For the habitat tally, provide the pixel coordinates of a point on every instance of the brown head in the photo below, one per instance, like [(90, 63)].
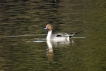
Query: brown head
[(49, 27)]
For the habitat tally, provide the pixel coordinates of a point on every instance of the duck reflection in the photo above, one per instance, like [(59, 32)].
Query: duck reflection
[(50, 51), (51, 43)]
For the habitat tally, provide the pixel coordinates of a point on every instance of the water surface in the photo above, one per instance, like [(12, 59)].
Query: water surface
[(22, 21)]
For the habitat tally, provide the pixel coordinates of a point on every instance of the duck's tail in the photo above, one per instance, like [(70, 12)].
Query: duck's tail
[(72, 34)]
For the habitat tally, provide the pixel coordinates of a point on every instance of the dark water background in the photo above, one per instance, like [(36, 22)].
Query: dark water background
[(29, 17)]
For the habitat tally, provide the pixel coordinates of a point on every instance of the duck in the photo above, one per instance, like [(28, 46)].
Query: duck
[(57, 37)]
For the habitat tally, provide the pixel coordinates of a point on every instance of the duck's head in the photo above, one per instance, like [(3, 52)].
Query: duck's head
[(49, 27)]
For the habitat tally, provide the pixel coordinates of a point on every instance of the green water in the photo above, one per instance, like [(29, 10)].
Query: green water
[(20, 17)]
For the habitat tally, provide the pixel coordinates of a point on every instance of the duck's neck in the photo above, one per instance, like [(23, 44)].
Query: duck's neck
[(49, 35)]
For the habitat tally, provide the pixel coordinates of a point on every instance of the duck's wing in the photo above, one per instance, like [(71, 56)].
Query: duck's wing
[(61, 34)]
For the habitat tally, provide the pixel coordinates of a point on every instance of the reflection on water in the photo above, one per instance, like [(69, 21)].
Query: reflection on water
[(51, 43), (50, 51)]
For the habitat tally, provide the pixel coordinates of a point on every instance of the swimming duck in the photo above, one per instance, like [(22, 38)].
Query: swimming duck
[(58, 36)]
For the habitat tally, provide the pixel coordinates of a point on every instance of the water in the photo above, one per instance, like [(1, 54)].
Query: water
[(22, 38)]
